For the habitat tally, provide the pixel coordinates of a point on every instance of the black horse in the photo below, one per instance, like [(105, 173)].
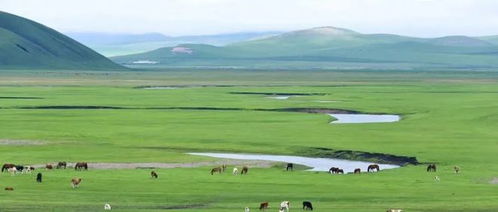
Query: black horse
[(39, 177), (290, 166), (431, 168), (307, 206)]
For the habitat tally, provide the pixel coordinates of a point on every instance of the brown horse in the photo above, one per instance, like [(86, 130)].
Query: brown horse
[(357, 171), (75, 182), (49, 166), (81, 165), (244, 170), (431, 168), (264, 206), (9, 188), (153, 174), (223, 167), (373, 167), (7, 166), (61, 165), (217, 169)]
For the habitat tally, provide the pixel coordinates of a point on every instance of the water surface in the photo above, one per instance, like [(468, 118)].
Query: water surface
[(363, 118)]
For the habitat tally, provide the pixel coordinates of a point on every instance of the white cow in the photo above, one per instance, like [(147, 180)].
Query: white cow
[(107, 207), (284, 206), (235, 171)]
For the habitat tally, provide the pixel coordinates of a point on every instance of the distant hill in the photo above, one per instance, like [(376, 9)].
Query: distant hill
[(122, 44), (25, 44), (329, 48)]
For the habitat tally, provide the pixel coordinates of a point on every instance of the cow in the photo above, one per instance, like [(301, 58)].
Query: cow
[(81, 165), (61, 164), (245, 169), (264, 206), (357, 171), (217, 169), (307, 206), (284, 206), (235, 171), (39, 177), (75, 182), (373, 167), (153, 174), (7, 166), (290, 166), (431, 168)]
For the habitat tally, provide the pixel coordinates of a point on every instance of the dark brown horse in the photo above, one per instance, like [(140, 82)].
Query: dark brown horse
[(153, 174), (61, 165), (223, 167), (373, 167), (9, 188), (7, 166), (333, 170), (431, 168), (340, 171), (264, 206), (217, 169), (81, 165), (49, 166), (307, 205), (245, 169), (357, 171)]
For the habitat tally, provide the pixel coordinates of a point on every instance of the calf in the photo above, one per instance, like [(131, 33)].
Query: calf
[(307, 206), (75, 182), (264, 206), (39, 177)]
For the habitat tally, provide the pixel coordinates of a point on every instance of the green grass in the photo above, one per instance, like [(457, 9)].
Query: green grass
[(447, 120)]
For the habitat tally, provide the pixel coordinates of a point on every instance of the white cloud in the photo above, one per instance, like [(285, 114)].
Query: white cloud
[(181, 17)]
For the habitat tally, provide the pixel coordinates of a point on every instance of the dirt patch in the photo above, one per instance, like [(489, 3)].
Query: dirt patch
[(102, 165), (494, 180), (359, 156), (13, 142)]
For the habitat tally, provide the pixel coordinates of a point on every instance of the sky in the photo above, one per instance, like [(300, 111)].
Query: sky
[(421, 18)]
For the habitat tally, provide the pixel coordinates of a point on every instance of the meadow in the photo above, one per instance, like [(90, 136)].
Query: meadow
[(448, 118)]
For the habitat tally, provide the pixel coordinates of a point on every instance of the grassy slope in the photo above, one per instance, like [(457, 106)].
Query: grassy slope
[(450, 121), (27, 44)]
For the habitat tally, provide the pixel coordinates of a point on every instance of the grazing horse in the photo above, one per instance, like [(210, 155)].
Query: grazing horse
[(81, 165), (357, 171), (373, 167), (264, 206), (394, 210), (244, 170), (7, 166), (223, 167), (9, 188), (107, 207), (49, 166), (153, 174), (340, 171), (75, 182), (39, 177), (61, 165), (217, 169), (284, 206), (431, 168), (20, 168), (307, 205), (290, 166), (12, 170), (235, 171), (456, 169), (28, 169), (246, 209), (333, 170)]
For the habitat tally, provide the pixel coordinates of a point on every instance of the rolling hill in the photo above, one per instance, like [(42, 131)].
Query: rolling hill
[(25, 44), (329, 48)]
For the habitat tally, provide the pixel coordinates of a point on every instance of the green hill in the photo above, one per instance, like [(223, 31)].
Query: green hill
[(25, 44), (329, 47)]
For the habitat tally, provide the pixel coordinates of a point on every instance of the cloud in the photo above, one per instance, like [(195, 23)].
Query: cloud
[(185, 17)]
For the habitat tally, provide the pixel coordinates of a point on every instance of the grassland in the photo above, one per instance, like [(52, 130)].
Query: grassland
[(448, 118)]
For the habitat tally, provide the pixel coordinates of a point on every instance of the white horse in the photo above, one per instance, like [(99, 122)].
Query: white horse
[(284, 206), (394, 210), (247, 209), (107, 207), (235, 171)]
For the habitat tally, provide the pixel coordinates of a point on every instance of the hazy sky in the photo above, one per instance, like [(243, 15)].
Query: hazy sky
[(427, 18)]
